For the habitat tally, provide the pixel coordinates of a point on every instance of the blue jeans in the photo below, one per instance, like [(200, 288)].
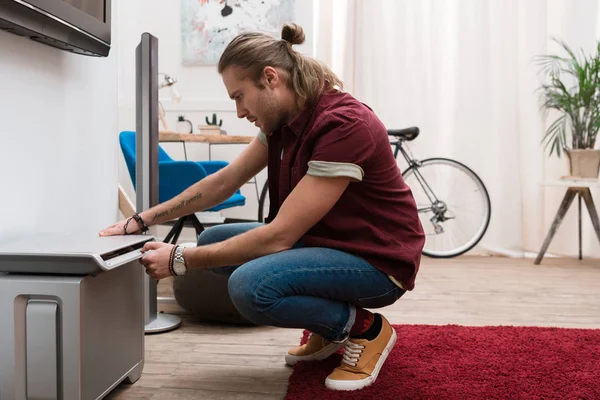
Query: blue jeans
[(311, 288)]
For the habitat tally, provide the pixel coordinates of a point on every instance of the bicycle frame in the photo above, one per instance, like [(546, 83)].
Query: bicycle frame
[(415, 164)]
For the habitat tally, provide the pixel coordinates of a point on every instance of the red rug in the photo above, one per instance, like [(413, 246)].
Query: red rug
[(457, 362)]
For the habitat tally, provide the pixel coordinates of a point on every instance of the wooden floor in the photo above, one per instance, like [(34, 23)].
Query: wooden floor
[(207, 361)]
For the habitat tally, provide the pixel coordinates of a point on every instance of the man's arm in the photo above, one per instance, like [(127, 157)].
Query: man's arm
[(206, 193), (308, 203), (212, 190)]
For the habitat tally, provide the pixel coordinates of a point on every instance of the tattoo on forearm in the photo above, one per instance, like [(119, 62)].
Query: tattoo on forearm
[(193, 199), (160, 215), (181, 204)]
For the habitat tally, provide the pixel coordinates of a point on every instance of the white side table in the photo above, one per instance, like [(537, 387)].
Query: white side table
[(575, 187)]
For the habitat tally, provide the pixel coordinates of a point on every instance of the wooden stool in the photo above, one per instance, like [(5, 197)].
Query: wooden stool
[(575, 187)]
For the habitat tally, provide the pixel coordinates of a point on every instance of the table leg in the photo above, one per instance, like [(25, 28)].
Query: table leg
[(589, 202), (184, 148), (562, 211), (579, 201)]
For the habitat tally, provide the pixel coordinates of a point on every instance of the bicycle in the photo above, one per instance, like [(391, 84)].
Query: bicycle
[(434, 182)]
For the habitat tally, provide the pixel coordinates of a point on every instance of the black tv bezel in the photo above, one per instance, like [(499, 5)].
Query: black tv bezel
[(58, 24), (76, 17)]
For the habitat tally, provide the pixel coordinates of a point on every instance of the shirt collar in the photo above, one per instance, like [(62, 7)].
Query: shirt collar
[(298, 124)]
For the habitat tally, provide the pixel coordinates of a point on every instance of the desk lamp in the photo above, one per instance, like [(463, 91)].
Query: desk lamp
[(170, 82)]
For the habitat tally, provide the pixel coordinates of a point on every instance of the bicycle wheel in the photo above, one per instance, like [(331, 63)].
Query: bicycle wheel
[(263, 203), (453, 203)]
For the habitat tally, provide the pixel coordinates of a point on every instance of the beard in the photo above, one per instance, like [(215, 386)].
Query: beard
[(270, 114)]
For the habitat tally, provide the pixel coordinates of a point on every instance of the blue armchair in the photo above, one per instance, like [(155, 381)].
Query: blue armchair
[(176, 176)]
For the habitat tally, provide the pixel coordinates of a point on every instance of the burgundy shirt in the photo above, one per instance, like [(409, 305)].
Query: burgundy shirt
[(375, 218)]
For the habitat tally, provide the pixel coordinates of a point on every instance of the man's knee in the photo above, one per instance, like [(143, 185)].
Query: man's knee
[(250, 293), (241, 290)]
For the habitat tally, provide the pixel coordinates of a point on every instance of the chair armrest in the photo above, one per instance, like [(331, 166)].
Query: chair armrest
[(213, 166), (176, 176)]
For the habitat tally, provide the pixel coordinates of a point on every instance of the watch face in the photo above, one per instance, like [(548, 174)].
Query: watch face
[(179, 268)]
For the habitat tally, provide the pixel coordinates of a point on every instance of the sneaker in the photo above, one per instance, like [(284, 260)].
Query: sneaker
[(362, 360), (316, 348)]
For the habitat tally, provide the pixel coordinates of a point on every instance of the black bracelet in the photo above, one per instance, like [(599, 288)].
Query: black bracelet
[(125, 227), (171, 258), (140, 222)]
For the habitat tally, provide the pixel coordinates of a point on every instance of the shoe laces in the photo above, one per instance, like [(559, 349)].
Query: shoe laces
[(352, 353)]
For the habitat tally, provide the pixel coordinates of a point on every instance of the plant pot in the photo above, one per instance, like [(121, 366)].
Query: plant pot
[(184, 126), (584, 163)]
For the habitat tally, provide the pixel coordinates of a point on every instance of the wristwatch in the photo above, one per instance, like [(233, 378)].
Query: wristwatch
[(179, 266)]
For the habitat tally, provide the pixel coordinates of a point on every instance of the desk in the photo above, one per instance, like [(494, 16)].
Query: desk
[(575, 187), (167, 136)]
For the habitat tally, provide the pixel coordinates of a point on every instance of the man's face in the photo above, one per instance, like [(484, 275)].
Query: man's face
[(259, 104)]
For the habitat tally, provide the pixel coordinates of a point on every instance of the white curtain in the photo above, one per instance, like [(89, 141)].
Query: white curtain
[(463, 71)]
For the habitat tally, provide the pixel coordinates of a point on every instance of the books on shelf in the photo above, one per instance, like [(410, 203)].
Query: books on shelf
[(211, 130)]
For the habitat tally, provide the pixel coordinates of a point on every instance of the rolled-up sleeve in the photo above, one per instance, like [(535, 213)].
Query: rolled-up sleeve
[(332, 169), (263, 138), (342, 149)]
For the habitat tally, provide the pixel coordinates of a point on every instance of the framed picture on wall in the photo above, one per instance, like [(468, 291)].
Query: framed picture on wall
[(207, 26)]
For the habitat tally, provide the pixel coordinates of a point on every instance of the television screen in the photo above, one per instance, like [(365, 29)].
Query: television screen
[(93, 8), (79, 26)]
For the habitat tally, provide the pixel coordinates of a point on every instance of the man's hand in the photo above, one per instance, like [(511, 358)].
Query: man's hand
[(119, 228), (156, 261)]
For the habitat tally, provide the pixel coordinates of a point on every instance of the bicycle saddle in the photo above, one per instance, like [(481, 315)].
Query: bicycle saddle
[(407, 134)]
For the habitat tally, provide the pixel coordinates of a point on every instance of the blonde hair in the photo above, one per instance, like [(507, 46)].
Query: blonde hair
[(253, 51)]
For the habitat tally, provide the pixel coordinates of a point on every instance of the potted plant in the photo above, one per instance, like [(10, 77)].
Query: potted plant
[(572, 89), (212, 127)]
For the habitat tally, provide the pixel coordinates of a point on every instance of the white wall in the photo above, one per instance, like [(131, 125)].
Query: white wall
[(58, 130), (201, 87)]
